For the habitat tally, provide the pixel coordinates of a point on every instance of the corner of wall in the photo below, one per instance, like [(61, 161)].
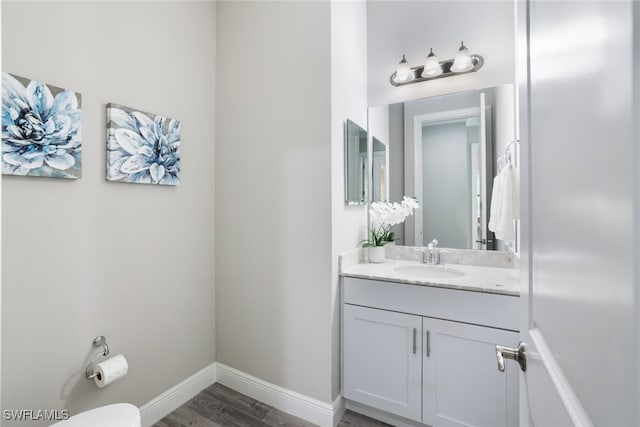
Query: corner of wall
[(348, 100)]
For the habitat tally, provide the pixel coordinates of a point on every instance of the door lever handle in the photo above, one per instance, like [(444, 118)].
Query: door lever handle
[(519, 354)]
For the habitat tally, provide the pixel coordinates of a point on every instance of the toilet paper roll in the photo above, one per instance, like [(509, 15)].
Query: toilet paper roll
[(110, 370)]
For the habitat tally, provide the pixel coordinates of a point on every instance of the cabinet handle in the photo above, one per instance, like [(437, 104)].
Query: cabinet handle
[(428, 343), (415, 345)]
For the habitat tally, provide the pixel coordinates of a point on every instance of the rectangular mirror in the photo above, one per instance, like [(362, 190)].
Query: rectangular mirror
[(444, 151), (356, 164)]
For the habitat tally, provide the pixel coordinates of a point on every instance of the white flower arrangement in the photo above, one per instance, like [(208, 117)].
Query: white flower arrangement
[(384, 215)]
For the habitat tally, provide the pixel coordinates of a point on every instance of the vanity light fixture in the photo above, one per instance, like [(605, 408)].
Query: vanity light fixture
[(462, 61), (433, 69), (403, 72), (432, 66)]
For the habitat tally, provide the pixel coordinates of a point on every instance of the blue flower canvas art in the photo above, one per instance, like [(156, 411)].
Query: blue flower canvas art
[(41, 129), (142, 148)]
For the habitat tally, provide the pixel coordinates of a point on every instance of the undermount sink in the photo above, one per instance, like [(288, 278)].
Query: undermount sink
[(424, 271)]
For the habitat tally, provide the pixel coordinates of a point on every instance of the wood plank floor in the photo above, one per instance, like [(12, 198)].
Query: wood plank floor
[(220, 406)]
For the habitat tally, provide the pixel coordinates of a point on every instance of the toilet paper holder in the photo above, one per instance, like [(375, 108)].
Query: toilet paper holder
[(99, 341)]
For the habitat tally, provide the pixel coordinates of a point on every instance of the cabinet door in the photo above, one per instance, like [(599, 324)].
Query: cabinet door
[(462, 384), (382, 360)]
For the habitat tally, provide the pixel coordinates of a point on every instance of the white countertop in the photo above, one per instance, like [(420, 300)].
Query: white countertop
[(495, 280)]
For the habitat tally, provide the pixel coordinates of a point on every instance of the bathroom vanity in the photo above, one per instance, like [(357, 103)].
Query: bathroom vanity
[(418, 341)]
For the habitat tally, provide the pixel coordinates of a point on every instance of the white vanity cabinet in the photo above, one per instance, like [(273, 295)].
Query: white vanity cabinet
[(461, 384), (447, 375), (383, 360)]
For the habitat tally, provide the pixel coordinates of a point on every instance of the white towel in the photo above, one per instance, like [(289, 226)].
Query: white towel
[(496, 195), (504, 227), (516, 192), (505, 203)]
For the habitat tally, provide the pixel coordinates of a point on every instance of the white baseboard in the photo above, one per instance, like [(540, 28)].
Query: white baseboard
[(159, 407), (291, 402), (339, 408)]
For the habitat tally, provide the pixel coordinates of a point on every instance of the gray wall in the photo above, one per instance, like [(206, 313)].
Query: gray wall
[(273, 193), (445, 175), (87, 257)]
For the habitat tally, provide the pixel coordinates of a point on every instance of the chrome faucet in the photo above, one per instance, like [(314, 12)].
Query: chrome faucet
[(432, 254), (435, 252), (426, 254)]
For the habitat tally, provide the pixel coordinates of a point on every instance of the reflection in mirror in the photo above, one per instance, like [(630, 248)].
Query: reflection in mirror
[(443, 150), (449, 145), (379, 176), (355, 142)]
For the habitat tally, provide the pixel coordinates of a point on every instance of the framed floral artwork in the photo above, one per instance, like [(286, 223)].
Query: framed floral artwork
[(142, 148), (41, 129)]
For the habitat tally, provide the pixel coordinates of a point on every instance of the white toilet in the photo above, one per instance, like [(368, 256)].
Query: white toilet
[(116, 415)]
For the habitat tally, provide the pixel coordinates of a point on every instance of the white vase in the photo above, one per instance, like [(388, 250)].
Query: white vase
[(375, 254)]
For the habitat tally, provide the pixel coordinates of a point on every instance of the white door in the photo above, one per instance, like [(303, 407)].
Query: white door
[(580, 214), (382, 360), (461, 385)]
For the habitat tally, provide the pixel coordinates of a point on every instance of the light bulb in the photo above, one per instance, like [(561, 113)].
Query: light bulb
[(432, 66), (462, 61), (403, 72)]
